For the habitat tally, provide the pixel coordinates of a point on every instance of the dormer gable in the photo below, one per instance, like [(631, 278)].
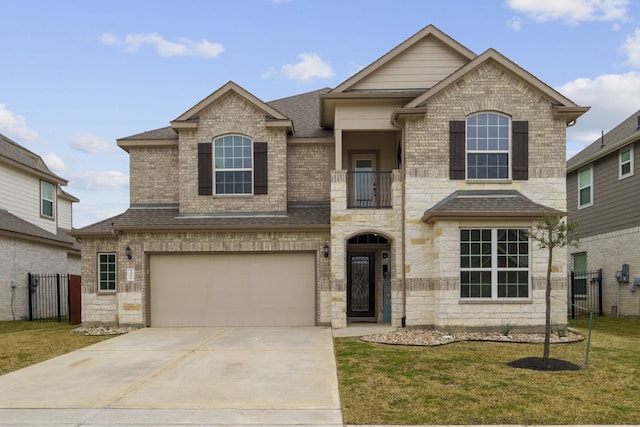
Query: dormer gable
[(274, 118), (416, 64)]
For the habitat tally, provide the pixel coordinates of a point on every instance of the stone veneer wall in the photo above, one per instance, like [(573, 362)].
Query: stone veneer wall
[(346, 223), (233, 115), (153, 175), (127, 305), (432, 265), (609, 251), (308, 168), (21, 257)]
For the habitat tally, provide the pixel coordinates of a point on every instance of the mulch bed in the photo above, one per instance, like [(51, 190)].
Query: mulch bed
[(542, 364)]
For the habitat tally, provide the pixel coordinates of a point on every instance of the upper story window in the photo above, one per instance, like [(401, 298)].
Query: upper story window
[(46, 199), (487, 137), (585, 188), (233, 165), (626, 163)]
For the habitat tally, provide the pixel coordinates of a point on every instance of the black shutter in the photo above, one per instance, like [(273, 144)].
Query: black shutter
[(205, 169), (260, 175), (520, 139), (456, 149)]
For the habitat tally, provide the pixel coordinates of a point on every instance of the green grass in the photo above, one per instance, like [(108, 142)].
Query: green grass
[(469, 382), (25, 343)]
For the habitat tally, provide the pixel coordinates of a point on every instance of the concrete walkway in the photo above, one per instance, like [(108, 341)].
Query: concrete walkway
[(186, 376)]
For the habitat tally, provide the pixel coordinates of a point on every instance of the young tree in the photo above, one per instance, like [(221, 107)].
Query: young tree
[(551, 232)]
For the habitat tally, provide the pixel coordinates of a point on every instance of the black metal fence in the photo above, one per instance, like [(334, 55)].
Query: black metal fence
[(49, 297), (585, 293)]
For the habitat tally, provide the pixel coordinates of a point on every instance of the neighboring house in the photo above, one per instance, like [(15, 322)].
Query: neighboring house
[(403, 195), (603, 198), (35, 221)]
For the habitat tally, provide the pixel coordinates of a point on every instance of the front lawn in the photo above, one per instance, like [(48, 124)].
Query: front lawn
[(24, 343), (469, 382)]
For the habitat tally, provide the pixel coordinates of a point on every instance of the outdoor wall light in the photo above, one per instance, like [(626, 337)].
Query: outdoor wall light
[(127, 252), (325, 251)]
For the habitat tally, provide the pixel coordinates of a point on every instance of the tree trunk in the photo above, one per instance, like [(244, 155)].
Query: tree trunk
[(547, 320)]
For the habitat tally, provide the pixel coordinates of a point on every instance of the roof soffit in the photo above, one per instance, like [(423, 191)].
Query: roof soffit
[(189, 118)]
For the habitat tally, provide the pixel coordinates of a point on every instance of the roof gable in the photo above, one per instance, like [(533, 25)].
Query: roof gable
[(564, 107), (190, 117), (423, 59), (15, 154)]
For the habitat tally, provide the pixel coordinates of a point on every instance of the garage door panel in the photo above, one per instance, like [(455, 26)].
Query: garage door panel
[(233, 290)]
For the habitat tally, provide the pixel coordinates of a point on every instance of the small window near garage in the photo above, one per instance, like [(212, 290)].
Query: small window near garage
[(585, 188), (107, 272), (46, 199), (233, 165), (626, 163)]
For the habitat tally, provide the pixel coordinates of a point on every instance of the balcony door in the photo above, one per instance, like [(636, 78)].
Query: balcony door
[(364, 166)]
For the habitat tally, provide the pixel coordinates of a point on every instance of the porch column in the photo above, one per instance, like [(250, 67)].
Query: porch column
[(338, 137)]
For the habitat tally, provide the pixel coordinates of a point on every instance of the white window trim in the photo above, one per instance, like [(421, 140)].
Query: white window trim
[(115, 280), (507, 151), (586, 205), (494, 269), (251, 169), (620, 163), (52, 200)]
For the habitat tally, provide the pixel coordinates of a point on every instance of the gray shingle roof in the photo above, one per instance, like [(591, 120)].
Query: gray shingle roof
[(613, 140), (304, 111), (12, 151), (10, 223), (141, 218), (484, 203), (162, 133)]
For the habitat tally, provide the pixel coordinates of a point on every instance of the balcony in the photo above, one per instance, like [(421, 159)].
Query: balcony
[(369, 190)]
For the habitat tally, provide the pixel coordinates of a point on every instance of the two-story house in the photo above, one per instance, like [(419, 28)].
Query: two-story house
[(35, 222), (403, 195), (602, 198)]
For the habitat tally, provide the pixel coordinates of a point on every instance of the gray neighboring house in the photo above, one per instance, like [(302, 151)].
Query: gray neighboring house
[(602, 196), (35, 222), (404, 195)]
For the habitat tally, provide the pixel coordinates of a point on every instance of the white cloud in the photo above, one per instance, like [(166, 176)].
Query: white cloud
[(310, 66), (184, 47), (572, 11), (53, 162), (99, 180), (612, 97), (90, 143), (515, 24), (15, 127), (631, 48)]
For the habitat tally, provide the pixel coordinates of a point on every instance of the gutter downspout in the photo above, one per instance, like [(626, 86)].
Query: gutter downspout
[(394, 123)]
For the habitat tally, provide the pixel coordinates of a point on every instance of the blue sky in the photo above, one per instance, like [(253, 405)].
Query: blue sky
[(77, 75)]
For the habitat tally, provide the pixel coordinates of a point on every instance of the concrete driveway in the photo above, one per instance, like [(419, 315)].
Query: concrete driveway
[(182, 376)]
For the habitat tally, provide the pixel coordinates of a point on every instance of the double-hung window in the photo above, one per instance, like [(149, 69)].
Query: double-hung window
[(107, 272), (626, 163), (233, 165), (46, 199), (487, 142), (494, 263), (585, 188)]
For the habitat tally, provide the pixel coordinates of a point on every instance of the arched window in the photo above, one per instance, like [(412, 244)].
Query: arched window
[(233, 165), (487, 146)]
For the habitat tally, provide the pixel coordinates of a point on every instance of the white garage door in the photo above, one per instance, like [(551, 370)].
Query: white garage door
[(233, 290)]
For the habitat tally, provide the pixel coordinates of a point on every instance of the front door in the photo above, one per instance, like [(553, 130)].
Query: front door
[(361, 289)]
